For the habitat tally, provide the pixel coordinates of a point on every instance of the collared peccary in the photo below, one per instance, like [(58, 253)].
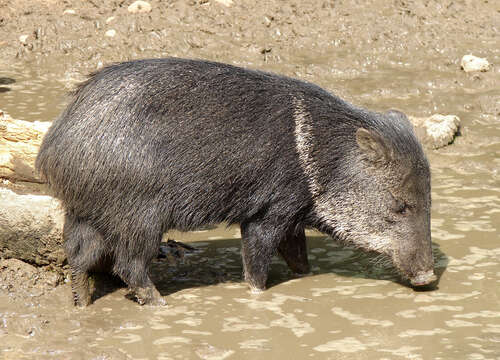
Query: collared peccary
[(151, 145)]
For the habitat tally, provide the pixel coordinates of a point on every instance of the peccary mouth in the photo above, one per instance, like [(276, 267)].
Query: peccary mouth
[(423, 278)]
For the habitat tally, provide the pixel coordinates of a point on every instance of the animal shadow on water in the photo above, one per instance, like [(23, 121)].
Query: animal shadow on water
[(352, 262), (219, 261)]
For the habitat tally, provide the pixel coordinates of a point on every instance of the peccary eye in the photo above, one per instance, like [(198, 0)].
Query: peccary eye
[(401, 207)]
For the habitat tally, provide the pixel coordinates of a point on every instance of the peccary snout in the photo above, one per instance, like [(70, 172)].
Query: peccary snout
[(414, 259), (423, 278)]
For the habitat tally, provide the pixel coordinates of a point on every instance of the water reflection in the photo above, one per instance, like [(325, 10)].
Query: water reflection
[(28, 94), (5, 81)]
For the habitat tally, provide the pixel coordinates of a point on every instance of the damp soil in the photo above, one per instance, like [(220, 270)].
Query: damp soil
[(379, 54)]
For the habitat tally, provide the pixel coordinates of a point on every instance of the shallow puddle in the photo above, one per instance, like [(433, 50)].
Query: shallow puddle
[(349, 307), (32, 94)]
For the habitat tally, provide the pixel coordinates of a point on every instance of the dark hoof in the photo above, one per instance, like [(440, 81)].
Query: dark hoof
[(81, 300), (256, 291), (149, 296), (301, 274)]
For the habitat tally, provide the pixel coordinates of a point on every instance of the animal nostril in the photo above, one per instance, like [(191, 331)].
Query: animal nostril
[(423, 278)]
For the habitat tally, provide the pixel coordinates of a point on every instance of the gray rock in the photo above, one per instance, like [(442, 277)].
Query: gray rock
[(437, 130), (139, 7)]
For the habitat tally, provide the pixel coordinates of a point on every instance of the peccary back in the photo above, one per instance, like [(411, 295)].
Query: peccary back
[(150, 145), (198, 142)]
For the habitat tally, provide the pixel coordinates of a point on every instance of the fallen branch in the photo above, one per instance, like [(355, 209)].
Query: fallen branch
[(19, 143)]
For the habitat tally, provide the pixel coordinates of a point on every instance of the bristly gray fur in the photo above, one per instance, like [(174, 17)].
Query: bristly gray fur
[(151, 145)]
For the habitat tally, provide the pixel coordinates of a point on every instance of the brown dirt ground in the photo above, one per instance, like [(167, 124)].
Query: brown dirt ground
[(345, 36)]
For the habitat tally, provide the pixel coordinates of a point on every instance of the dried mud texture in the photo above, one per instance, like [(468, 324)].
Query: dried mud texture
[(24, 282), (343, 38)]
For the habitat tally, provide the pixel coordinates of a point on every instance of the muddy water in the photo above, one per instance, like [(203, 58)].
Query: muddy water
[(349, 308), (31, 93)]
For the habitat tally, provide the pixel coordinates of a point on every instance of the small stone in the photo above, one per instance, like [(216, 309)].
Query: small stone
[(442, 128), (437, 130), (69, 12), (139, 7), (108, 20), (23, 38), (110, 33), (227, 3), (473, 63)]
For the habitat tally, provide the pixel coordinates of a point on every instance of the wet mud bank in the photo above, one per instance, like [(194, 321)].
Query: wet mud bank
[(319, 41), (399, 54)]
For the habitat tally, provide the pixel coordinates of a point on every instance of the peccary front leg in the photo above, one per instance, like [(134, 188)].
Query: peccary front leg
[(84, 249), (259, 243), (293, 249)]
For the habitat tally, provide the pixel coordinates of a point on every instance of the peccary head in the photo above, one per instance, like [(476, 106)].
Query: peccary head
[(378, 197)]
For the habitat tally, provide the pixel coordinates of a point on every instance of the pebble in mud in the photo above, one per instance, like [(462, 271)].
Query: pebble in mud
[(23, 39), (227, 3), (110, 33), (471, 63), (139, 7)]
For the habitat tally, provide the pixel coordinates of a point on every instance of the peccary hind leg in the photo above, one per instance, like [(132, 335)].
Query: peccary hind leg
[(293, 249), (135, 275), (132, 267), (84, 248), (259, 243), (80, 288)]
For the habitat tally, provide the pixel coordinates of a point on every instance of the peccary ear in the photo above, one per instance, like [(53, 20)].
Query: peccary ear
[(373, 146)]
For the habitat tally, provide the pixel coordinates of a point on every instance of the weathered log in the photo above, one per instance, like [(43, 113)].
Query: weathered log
[(19, 143), (31, 228), (30, 225)]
